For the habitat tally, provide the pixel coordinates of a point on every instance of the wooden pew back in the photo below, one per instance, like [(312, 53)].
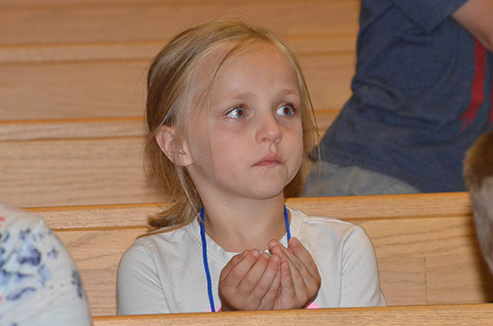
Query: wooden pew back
[(86, 58), (471, 315), (79, 162), (71, 119), (425, 244)]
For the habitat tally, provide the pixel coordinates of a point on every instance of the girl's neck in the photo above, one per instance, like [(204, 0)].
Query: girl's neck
[(249, 225)]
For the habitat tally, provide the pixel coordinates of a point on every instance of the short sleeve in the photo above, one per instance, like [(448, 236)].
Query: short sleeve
[(139, 286), (360, 281), (429, 13), (39, 282)]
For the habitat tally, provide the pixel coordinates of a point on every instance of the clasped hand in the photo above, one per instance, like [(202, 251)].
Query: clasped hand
[(286, 279)]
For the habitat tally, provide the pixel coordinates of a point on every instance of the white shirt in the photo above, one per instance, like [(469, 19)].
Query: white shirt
[(164, 272)]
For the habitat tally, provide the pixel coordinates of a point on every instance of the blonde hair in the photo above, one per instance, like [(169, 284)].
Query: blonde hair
[(171, 92)]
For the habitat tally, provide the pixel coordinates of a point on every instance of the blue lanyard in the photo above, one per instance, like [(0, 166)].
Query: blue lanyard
[(206, 261)]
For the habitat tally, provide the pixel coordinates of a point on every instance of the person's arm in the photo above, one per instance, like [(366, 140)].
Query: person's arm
[(477, 17)]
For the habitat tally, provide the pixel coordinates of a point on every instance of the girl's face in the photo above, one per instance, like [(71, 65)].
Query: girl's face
[(245, 137)]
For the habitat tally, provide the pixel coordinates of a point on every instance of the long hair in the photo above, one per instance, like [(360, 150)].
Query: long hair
[(172, 89)]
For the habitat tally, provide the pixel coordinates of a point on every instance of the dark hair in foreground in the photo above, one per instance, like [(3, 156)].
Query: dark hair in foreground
[(478, 173)]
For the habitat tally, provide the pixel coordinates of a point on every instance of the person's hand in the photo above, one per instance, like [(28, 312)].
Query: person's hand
[(250, 281), (300, 280)]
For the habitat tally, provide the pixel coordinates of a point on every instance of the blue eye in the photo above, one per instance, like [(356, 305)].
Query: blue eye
[(286, 110), (236, 112)]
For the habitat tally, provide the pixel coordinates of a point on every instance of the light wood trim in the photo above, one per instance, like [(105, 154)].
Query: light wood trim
[(101, 127), (471, 315), (352, 208), (72, 128), (116, 88), (146, 50), (89, 22), (74, 172)]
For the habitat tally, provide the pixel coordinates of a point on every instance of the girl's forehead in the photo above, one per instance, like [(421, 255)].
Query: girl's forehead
[(211, 66), (224, 53), (209, 70)]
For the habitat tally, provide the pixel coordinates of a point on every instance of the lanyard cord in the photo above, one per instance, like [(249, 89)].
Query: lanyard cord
[(206, 261)]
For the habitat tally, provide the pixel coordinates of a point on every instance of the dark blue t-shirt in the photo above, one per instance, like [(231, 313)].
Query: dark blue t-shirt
[(421, 95)]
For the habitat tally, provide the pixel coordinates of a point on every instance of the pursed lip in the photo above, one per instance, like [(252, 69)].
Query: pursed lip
[(269, 160)]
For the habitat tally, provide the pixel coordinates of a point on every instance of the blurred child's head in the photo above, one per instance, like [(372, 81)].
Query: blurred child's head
[(478, 172), (181, 76)]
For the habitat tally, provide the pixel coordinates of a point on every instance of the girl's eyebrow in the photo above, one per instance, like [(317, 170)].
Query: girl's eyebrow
[(246, 95), (241, 96), (290, 91)]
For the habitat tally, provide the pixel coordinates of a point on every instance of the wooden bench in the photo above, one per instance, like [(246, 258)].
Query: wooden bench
[(471, 315), (79, 162), (81, 87), (426, 245), (87, 58), (73, 74)]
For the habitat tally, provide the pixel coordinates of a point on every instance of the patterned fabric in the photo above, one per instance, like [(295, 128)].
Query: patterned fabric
[(39, 283)]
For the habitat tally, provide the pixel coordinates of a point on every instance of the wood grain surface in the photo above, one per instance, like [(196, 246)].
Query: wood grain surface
[(45, 22), (87, 59), (74, 172), (116, 88), (426, 247), (350, 208), (79, 161), (441, 315)]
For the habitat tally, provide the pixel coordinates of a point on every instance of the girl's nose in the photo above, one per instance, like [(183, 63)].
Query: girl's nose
[(269, 129)]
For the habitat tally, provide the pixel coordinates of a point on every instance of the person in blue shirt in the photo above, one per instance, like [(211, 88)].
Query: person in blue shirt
[(422, 94)]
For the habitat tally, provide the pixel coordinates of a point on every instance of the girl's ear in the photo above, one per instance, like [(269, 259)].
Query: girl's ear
[(176, 150)]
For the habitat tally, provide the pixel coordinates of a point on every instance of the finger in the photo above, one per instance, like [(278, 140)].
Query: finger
[(268, 286), (300, 277), (308, 269), (288, 289), (232, 263), (254, 274), (297, 248), (238, 271), (301, 257), (277, 248)]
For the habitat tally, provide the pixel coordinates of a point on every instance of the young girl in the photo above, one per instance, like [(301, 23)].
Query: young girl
[(231, 127)]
